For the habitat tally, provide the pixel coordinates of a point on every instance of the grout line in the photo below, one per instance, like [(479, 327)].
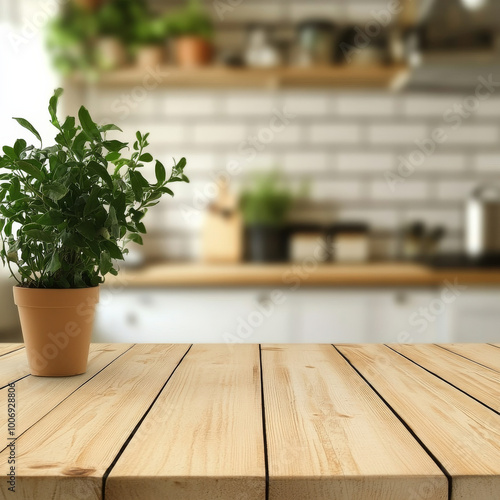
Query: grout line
[(266, 458), (69, 395), (444, 380), (136, 428), (465, 357), (408, 428)]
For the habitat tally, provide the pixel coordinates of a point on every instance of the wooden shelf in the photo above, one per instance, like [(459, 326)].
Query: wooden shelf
[(285, 77)]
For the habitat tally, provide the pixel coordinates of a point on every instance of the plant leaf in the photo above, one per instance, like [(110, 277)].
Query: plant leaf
[(88, 125), (55, 263), (39, 235), (27, 125), (146, 157), (53, 106), (54, 190), (97, 169), (160, 172), (87, 230), (31, 169)]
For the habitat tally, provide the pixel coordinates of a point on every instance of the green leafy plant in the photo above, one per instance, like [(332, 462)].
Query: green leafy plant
[(149, 30), (266, 201), (191, 20), (69, 210)]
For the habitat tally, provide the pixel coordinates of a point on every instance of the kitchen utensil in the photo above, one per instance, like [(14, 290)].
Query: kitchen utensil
[(482, 215)]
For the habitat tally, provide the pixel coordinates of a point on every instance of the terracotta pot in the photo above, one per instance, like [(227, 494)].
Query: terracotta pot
[(57, 326), (150, 56), (111, 53), (192, 51)]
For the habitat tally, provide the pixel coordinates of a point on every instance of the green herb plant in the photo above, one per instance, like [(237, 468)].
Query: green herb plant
[(266, 201), (68, 211), (190, 20)]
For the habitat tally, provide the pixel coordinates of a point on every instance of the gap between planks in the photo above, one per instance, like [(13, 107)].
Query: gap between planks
[(136, 428), (406, 425)]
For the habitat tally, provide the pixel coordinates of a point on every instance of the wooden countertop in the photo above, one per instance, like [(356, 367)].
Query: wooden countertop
[(291, 275), (256, 422)]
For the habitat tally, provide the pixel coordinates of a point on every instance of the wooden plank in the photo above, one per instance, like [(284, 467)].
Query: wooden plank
[(38, 396), (6, 348), (484, 354), (460, 432), (476, 380), (66, 454), (325, 426), (13, 366), (203, 438)]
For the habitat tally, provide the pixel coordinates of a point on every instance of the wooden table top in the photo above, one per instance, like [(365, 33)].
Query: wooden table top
[(248, 422)]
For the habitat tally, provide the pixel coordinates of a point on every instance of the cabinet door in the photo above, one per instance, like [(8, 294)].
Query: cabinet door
[(407, 316), (475, 316), (204, 315), (331, 316)]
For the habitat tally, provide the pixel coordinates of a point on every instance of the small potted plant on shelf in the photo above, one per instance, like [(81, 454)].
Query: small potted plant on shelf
[(192, 31), (265, 205), (67, 213), (149, 34)]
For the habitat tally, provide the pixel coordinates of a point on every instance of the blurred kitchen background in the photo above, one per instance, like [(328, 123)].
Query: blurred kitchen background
[(344, 159)]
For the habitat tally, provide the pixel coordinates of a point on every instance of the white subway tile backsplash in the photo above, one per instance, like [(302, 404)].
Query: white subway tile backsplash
[(218, 134), (163, 133), (241, 104), (304, 163), (365, 162), (335, 134), (396, 134), (473, 134), (376, 218), (189, 104), (405, 190), (302, 103), (488, 162), (334, 138), (336, 190), (455, 190), (428, 105), (379, 105), (443, 163)]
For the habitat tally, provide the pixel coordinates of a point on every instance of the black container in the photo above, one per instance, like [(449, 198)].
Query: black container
[(266, 244)]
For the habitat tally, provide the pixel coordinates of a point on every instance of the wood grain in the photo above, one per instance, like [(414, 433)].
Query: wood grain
[(476, 380), (484, 354), (13, 366), (6, 348), (65, 455), (283, 275), (324, 428), (203, 438), (40, 395), (460, 432)]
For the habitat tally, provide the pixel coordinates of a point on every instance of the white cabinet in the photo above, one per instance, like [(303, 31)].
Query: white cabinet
[(315, 315), (475, 316), (186, 315), (370, 316)]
